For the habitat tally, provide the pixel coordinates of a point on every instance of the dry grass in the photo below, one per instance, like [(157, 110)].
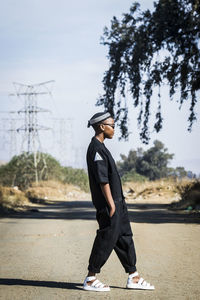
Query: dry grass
[(12, 200), (184, 194), (161, 191), (53, 190), (190, 196), (178, 194)]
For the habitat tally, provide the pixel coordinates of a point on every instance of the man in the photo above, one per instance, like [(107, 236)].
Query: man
[(107, 196)]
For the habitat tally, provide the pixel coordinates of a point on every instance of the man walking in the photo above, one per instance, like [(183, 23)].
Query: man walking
[(114, 227)]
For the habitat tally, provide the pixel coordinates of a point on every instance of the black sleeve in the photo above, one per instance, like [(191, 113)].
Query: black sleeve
[(100, 167)]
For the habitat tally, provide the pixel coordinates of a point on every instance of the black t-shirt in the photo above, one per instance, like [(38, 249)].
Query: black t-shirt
[(102, 169)]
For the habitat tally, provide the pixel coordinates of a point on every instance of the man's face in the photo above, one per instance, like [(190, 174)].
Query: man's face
[(108, 127)]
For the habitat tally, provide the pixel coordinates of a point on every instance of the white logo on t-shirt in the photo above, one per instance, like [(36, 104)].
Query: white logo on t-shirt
[(97, 157)]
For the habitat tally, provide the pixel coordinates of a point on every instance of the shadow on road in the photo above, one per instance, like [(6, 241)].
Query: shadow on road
[(42, 283), (50, 284), (84, 210)]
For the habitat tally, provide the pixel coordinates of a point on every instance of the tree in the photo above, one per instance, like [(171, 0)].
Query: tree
[(77, 177), (151, 164), (20, 170), (133, 176), (129, 163), (179, 172), (154, 163), (148, 49)]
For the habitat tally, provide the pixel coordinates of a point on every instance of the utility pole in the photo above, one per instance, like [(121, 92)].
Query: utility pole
[(30, 138)]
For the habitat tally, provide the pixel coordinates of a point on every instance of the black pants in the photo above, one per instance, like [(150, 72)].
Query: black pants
[(113, 233)]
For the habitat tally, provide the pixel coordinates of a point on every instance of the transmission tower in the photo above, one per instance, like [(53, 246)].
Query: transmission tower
[(9, 125), (12, 129), (30, 129), (4, 139), (62, 131)]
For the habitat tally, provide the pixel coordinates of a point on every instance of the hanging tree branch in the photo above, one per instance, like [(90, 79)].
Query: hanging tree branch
[(135, 42)]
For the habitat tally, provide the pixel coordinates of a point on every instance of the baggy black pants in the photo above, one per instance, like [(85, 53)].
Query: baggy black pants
[(113, 233)]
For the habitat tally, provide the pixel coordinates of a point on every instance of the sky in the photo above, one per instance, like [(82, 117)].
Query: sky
[(60, 41)]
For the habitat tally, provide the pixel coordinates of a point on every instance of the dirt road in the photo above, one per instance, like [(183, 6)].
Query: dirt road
[(44, 254)]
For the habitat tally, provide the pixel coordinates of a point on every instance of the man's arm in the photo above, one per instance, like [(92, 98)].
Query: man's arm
[(105, 187)]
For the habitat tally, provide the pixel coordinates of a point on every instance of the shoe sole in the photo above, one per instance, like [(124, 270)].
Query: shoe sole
[(141, 288), (92, 289)]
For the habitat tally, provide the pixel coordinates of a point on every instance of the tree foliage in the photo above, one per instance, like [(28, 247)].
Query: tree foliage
[(152, 163), (20, 171), (76, 176), (148, 49), (134, 177)]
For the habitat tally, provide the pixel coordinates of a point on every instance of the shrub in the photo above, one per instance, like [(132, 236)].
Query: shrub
[(20, 172), (11, 199), (190, 195), (133, 176), (77, 177)]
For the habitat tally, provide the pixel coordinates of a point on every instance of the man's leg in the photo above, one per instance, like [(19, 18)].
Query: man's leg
[(104, 242), (124, 247), (105, 239), (126, 252)]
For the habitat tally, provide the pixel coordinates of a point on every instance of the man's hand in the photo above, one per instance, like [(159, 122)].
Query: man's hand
[(105, 187), (112, 211)]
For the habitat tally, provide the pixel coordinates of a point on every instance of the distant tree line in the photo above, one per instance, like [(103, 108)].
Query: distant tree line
[(139, 165), (20, 172), (151, 164)]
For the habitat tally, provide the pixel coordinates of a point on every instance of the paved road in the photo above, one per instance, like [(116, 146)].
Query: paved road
[(44, 254)]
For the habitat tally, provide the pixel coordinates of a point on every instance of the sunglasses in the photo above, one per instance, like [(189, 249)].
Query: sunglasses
[(111, 125)]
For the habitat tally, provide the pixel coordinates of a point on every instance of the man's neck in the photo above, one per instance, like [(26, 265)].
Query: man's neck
[(100, 137)]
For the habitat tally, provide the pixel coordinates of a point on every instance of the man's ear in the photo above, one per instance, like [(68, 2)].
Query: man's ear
[(102, 127)]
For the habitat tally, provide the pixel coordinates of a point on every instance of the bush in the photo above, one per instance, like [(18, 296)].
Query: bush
[(133, 176), (190, 195), (20, 172), (77, 177), (11, 199)]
